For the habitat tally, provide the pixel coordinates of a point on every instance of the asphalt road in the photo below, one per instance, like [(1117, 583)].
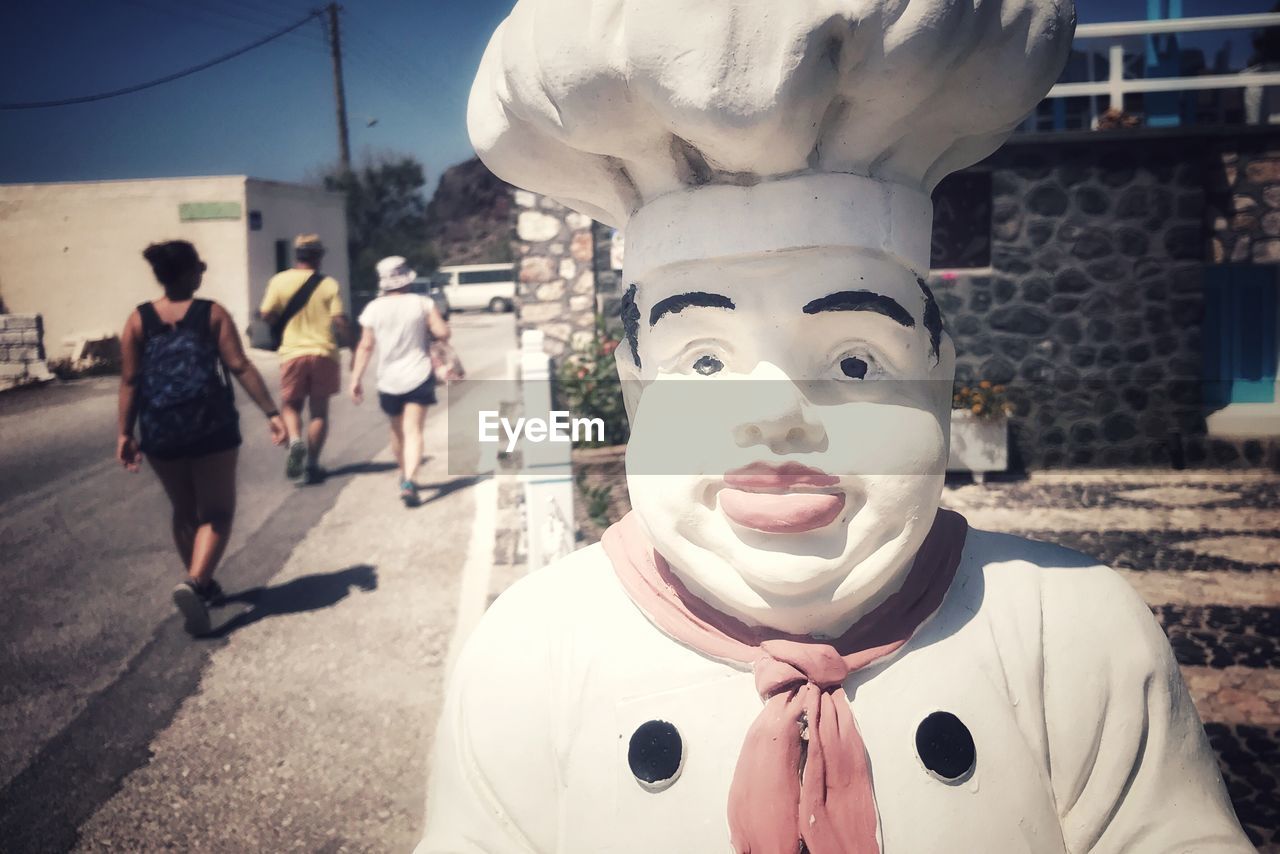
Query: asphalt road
[(93, 661)]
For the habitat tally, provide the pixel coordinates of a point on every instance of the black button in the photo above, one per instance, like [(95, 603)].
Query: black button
[(945, 746), (655, 753)]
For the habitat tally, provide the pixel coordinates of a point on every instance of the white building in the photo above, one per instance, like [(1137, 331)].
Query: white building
[(73, 252)]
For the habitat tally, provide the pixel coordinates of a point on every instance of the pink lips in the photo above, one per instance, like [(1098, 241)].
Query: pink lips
[(777, 499)]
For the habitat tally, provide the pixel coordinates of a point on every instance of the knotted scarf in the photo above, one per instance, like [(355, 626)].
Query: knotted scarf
[(803, 777)]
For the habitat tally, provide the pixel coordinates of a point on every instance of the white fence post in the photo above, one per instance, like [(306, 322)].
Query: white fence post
[(1116, 86), (547, 472), (1115, 77)]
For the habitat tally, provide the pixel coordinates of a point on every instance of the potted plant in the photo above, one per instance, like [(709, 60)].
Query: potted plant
[(980, 429)]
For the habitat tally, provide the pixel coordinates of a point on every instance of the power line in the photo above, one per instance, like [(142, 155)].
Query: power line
[(398, 80), (371, 61), (205, 14), (409, 62), (302, 40), (256, 20), (101, 96)]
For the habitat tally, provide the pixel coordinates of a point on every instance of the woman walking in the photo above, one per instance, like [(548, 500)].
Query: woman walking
[(178, 353), (401, 325)]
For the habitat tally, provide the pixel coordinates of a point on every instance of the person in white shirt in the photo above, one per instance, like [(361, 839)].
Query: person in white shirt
[(401, 325)]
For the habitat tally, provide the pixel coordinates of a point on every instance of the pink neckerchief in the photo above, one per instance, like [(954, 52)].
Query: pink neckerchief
[(806, 722)]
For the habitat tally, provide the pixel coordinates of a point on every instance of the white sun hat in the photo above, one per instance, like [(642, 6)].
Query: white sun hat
[(394, 273)]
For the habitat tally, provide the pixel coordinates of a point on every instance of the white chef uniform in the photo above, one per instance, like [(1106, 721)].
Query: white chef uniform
[(1085, 738)]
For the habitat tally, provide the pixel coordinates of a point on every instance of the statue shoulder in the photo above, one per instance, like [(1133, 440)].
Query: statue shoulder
[(541, 612), (994, 549), (494, 780), (1130, 763), (574, 584), (1085, 608)]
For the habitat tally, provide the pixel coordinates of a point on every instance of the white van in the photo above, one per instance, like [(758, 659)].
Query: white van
[(468, 286)]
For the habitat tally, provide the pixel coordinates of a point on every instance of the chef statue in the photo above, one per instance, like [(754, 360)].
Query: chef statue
[(787, 646)]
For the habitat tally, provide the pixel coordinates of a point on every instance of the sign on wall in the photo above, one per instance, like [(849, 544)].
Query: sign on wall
[(197, 211)]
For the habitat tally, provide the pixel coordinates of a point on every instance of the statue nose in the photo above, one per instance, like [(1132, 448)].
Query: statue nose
[(779, 415)]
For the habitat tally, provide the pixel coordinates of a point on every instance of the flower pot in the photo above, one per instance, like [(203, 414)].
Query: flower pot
[(978, 445)]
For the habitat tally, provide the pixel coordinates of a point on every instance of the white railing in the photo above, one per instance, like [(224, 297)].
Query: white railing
[(1116, 86)]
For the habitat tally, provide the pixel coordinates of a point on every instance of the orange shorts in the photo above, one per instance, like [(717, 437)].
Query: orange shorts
[(304, 377)]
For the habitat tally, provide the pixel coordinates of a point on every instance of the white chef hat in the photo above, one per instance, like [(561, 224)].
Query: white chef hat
[(654, 114)]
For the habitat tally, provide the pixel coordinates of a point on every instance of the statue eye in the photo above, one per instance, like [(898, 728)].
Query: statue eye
[(708, 365), (853, 367)]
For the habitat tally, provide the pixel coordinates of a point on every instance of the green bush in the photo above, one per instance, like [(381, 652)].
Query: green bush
[(587, 385), (597, 499)]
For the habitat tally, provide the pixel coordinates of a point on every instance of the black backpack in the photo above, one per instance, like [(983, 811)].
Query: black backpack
[(185, 393)]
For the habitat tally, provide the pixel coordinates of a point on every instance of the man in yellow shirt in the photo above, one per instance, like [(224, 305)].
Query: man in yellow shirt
[(309, 371)]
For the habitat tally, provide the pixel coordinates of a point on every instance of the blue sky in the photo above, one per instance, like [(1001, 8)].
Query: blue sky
[(269, 113)]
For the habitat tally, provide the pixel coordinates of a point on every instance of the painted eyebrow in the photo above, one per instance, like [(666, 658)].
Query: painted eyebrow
[(862, 301), (679, 302)]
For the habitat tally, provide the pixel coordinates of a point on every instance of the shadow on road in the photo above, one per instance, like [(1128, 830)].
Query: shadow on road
[(361, 468), (449, 487), (367, 468), (308, 593)]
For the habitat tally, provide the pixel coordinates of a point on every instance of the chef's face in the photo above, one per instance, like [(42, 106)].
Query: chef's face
[(789, 436)]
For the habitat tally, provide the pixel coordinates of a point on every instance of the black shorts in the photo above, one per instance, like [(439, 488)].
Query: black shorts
[(424, 395), (215, 443)]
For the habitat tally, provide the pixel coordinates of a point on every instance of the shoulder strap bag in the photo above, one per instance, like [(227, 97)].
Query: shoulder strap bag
[(444, 359), (267, 336)]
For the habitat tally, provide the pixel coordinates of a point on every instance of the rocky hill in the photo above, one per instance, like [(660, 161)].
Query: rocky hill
[(469, 219)]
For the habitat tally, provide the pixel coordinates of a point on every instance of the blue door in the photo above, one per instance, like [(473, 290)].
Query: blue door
[(1164, 59), (1239, 334)]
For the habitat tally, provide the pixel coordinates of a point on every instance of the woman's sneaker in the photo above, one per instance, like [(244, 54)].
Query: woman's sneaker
[(211, 593), (409, 493), (294, 464), (191, 605)]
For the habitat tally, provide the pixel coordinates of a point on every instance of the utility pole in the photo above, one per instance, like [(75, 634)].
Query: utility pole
[(339, 93)]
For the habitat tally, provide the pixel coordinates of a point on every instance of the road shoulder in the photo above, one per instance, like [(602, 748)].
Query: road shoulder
[(312, 723)]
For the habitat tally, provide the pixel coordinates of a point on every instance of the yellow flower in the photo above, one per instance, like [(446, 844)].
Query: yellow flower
[(977, 409), (985, 384)]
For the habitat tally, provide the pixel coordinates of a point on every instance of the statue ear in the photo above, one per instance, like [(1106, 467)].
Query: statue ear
[(629, 379)]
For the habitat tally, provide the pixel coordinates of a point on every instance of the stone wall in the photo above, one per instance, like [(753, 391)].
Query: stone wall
[(1244, 202), (609, 289), (555, 284), (21, 350), (1092, 306)]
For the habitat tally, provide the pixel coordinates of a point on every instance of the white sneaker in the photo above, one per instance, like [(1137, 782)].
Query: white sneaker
[(192, 608), (294, 465)]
